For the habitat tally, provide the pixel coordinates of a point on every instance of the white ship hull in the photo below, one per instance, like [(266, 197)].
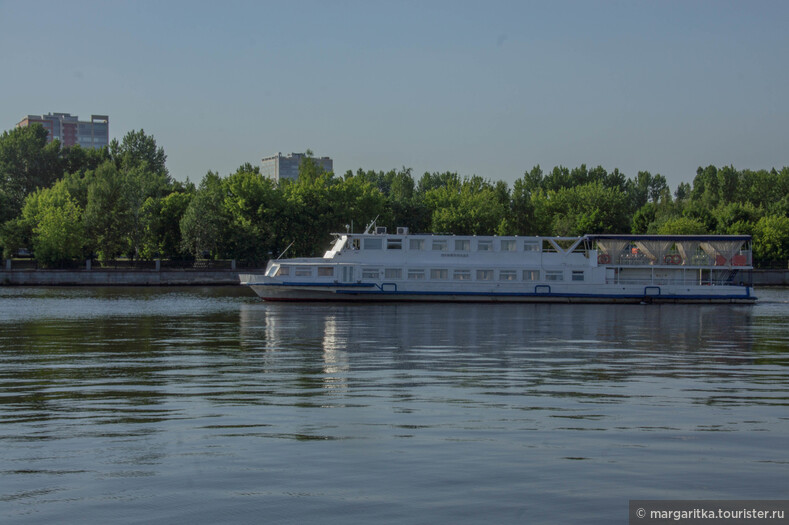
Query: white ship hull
[(590, 269)]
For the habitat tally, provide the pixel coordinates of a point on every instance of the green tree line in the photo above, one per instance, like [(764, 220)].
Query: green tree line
[(72, 203)]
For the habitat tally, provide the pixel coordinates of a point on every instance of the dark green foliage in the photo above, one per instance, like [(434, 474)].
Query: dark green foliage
[(121, 200)]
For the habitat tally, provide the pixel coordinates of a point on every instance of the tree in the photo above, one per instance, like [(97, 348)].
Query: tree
[(59, 236), (771, 239), (138, 149), (161, 220), (682, 226), (204, 222), (27, 163), (108, 219)]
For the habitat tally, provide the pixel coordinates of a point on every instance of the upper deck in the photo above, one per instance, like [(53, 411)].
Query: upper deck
[(697, 251)]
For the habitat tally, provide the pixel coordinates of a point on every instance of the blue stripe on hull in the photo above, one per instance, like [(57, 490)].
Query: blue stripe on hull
[(342, 294)]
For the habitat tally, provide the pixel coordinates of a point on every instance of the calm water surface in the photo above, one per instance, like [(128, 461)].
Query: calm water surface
[(205, 405)]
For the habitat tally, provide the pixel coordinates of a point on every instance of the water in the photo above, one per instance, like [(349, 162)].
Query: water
[(205, 405)]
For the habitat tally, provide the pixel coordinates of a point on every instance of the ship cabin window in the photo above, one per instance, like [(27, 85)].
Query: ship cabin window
[(373, 244), (484, 275), (531, 275), (578, 275), (439, 273), (371, 273), (355, 244), (508, 275), (484, 246), (303, 271), (440, 246), (462, 245), (416, 244), (283, 271), (531, 246), (508, 245), (416, 275), (325, 271), (554, 275), (393, 273), (394, 244), (461, 275)]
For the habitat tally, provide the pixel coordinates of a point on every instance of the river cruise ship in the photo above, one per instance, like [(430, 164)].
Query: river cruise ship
[(381, 266)]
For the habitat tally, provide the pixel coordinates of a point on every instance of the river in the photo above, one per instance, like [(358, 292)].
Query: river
[(206, 405)]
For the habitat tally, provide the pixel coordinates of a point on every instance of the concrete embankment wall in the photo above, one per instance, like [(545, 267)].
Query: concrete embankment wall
[(771, 277), (119, 277)]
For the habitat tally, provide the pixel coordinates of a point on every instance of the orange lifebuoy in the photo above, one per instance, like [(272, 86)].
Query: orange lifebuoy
[(603, 258)]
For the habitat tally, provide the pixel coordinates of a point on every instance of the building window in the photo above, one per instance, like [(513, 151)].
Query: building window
[(373, 244), (508, 245), (393, 273), (416, 275), (462, 245), (484, 275), (508, 275), (325, 271), (578, 275), (394, 244), (440, 246), (416, 244), (484, 246), (531, 246), (554, 275), (461, 275), (531, 275), (439, 273)]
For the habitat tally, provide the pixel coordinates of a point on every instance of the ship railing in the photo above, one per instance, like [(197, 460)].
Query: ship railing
[(730, 279)]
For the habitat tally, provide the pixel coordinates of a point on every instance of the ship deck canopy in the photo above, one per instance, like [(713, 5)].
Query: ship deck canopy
[(688, 250)]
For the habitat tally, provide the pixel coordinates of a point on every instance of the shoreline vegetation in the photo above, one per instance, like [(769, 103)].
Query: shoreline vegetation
[(62, 205)]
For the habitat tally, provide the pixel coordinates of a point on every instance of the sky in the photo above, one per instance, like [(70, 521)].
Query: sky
[(489, 88)]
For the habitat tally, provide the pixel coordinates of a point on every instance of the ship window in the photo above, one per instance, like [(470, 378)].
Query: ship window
[(355, 244), (440, 245), (531, 246), (578, 275), (416, 274), (462, 245), (393, 273), (394, 244), (303, 271), (283, 270), (508, 275), (439, 273), (508, 245), (416, 244), (325, 271), (371, 273), (484, 275), (485, 246), (373, 244), (461, 275), (531, 275), (554, 275)]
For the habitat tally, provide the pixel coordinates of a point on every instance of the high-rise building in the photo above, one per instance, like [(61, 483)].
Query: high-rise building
[(69, 130), (281, 166)]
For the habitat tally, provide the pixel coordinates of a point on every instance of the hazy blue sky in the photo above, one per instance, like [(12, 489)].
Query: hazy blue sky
[(488, 88)]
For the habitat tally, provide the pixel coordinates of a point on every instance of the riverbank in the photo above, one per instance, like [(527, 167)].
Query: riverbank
[(162, 277), (205, 277)]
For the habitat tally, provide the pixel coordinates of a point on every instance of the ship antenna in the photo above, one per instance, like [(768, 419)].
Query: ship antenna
[(286, 249), (371, 224)]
